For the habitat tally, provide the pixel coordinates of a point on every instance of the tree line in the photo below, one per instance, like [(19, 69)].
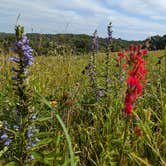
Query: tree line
[(77, 44)]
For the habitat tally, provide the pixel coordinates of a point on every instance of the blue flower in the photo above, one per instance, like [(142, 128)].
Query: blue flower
[(33, 144), (13, 69), (36, 140), (7, 142), (99, 94), (33, 117), (25, 39), (19, 43), (4, 136), (25, 52), (29, 133), (15, 59), (16, 127)]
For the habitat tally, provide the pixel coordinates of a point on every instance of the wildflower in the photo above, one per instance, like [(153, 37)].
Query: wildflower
[(109, 30), (136, 74), (121, 54), (4, 136), (7, 142), (53, 103), (137, 131), (33, 117), (95, 41), (16, 127), (25, 51), (99, 94), (33, 144), (70, 102), (29, 133), (25, 58), (36, 140), (66, 95), (107, 60), (15, 59), (24, 117)]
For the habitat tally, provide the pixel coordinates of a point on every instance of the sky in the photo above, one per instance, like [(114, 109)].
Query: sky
[(131, 19)]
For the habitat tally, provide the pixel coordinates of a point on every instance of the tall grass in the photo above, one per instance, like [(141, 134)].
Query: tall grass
[(62, 98)]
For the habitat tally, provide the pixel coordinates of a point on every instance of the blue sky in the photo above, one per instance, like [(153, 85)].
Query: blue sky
[(132, 19)]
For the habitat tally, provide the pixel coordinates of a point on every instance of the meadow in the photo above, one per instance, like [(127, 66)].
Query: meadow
[(76, 126)]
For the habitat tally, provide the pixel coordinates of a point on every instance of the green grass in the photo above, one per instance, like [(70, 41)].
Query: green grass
[(100, 136)]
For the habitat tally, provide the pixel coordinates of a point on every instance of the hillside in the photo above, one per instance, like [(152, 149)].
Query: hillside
[(53, 44)]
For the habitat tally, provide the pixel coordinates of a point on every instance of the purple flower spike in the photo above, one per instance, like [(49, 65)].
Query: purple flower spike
[(23, 48), (95, 41), (110, 33)]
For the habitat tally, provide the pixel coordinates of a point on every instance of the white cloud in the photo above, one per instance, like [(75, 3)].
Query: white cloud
[(139, 18), (142, 7)]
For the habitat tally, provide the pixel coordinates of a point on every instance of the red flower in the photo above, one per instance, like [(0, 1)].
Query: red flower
[(121, 54), (124, 67), (136, 74), (144, 52), (128, 109), (70, 102), (66, 95), (137, 131)]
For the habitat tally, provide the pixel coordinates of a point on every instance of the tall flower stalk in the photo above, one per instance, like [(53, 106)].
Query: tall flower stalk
[(107, 60), (136, 75), (91, 67), (93, 59), (23, 117)]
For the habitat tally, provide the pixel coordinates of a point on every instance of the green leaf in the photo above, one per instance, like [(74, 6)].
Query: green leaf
[(49, 160), (38, 156), (43, 119), (44, 134), (72, 156), (42, 143), (12, 163), (3, 151), (139, 159)]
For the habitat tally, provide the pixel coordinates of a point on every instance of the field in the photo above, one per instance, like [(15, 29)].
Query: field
[(71, 125)]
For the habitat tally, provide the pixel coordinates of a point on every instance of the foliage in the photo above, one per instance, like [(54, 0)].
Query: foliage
[(63, 44), (73, 128)]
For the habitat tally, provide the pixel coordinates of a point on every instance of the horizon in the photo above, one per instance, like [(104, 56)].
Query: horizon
[(76, 34), (131, 20)]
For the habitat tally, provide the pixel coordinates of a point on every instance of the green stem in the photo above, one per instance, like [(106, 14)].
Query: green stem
[(124, 141), (64, 130)]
